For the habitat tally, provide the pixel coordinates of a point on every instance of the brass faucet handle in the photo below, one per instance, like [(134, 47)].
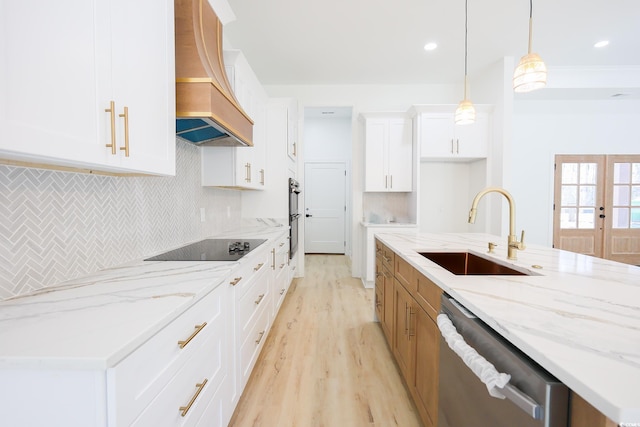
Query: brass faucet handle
[(521, 245), (492, 246)]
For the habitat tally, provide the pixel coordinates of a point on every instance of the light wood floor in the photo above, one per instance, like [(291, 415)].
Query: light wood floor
[(325, 362)]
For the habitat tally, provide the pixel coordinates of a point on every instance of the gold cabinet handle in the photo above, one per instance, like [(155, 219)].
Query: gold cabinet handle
[(247, 168), (184, 343), (259, 299), (236, 280), (199, 387), (125, 115), (273, 264), (262, 176), (112, 111), (258, 267), (411, 332), (294, 149), (260, 335)]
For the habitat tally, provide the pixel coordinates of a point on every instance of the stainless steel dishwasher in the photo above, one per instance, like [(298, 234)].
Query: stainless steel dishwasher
[(533, 397)]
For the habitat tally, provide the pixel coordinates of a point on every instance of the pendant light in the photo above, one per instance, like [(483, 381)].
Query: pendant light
[(531, 73), (465, 113)]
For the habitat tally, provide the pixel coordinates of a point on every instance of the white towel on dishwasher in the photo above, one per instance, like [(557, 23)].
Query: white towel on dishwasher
[(485, 371)]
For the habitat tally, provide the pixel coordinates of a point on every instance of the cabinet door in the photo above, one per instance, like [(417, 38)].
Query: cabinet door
[(399, 155), (424, 384), (387, 320), (403, 333), (55, 82), (436, 136), (376, 137), (144, 82), (472, 141)]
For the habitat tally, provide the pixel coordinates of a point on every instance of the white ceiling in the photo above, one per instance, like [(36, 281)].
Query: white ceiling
[(381, 41)]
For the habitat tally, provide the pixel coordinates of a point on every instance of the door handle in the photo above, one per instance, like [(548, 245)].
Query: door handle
[(308, 215)]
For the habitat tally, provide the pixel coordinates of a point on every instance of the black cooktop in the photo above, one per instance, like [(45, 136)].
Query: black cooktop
[(211, 250)]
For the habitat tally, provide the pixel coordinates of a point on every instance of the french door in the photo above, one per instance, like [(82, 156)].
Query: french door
[(597, 206)]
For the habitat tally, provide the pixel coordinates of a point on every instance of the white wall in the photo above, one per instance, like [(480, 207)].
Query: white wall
[(542, 129)]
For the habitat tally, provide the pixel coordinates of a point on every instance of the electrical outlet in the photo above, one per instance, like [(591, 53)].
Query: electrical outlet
[(203, 216)]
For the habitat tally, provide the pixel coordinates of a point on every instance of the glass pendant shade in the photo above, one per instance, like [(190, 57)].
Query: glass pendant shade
[(530, 74), (465, 113)]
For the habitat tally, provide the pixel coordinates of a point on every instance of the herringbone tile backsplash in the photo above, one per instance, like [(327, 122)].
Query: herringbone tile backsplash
[(56, 226)]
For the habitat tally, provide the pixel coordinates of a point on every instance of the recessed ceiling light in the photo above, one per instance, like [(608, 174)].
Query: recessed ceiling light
[(430, 46), (601, 43)]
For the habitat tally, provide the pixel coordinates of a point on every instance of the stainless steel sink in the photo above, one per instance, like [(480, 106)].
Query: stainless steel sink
[(470, 264)]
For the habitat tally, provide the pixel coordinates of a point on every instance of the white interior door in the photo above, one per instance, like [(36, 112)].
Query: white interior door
[(325, 208)]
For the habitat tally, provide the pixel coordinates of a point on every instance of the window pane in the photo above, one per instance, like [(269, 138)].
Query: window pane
[(569, 173), (569, 196), (621, 173), (588, 173), (621, 195), (620, 218), (587, 195), (586, 216), (635, 217), (635, 195), (568, 218), (635, 173)]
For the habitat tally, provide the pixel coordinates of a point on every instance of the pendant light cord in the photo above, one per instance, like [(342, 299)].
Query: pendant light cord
[(466, 3), (530, 24)]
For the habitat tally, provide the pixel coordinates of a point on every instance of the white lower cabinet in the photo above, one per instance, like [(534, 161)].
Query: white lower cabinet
[(149, 387), (190, 373)]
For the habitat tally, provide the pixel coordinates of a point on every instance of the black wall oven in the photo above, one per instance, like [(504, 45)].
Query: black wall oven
[(294, 216)]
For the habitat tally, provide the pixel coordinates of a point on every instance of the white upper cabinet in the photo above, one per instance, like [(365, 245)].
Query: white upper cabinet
[(240, 167), (441, 139), (63, 64), (388, 153)]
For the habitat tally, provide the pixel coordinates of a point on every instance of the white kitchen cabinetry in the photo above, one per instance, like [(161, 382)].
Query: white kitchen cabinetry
[(240, 167), (88, 86), (388, 153), (280, 273), (441, 139), (187, 358)]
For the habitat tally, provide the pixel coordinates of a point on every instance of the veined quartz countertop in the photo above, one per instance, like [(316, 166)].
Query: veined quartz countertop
[(95, 321), (579, 318)]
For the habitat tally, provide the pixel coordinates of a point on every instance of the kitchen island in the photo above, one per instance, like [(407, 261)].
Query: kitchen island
[(576, 316)]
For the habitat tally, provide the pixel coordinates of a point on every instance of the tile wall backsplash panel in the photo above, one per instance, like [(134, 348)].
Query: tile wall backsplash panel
[(55, 226)]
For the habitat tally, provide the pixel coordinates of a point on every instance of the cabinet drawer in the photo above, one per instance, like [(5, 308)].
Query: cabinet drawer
[(378, 249), (251, 303), (208, 364), (404, 272), (427, 294), (388, 258), (251, 347), (242, 277), (138, 379)]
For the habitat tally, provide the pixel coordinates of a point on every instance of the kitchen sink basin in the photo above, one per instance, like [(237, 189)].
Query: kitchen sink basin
[(470, 264)]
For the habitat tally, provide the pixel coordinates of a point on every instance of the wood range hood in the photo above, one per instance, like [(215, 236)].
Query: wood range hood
[(207, 112)]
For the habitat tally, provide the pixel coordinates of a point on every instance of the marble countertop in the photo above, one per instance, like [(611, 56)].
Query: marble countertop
[(95, 321), (389, 224), (579, 317)]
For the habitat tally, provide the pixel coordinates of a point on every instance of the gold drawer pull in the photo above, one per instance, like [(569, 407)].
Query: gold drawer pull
[(185, 409), (125, 115), (282, 291), (183, 344), (259, 299), (112, 115), (236, 281), (260, 335), (258, 267)]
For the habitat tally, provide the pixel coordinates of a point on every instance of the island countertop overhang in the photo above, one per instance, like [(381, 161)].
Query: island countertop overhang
[(579, 317)]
